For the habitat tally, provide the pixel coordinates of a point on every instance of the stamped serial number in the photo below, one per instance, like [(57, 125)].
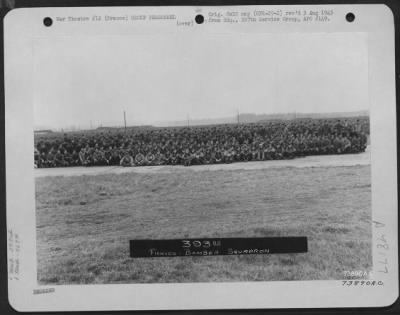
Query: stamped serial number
[(200, 244), (361, 283), (357, 274)]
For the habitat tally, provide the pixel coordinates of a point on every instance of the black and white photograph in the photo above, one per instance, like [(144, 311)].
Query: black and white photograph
[(206, 150), (246, 138)]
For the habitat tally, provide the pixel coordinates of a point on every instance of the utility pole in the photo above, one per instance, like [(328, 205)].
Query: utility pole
[(125, 120), (238, 119), (188, 123)]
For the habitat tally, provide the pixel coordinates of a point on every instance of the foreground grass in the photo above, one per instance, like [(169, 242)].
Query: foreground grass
[(84, 223)]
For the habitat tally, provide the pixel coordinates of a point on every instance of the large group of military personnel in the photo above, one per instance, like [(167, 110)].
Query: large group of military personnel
[(187, 146)]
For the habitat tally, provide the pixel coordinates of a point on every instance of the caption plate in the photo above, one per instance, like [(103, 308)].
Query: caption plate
[(217, 246)]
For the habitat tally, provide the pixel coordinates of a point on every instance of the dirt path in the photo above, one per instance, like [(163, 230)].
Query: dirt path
[(309, 161)]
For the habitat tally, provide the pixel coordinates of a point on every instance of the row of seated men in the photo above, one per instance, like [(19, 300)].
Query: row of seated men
[(203, 144), (133, 156)]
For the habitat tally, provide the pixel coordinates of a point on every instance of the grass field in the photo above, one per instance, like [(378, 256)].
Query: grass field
[(84, 223)]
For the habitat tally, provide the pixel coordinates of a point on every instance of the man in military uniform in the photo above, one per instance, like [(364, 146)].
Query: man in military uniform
[(173, 159), (289, 151), (207, 157), (98, 156), (158, 158), (338, 144), (200, 155), (82, 157), (149, 158), (127, 160), (244, 152), (90, 156), (278, 152), (117, 155), (139, 159), (258, 148), (186, 157), (43, 162), (37, 159), (194, 157), (346, 145), (236, 153), (218, 155), (59, 159), (324, 145), (253, 153), (266, 155), (228, 157), (67, 158), (166, 157), (75, 158), (108, 155)]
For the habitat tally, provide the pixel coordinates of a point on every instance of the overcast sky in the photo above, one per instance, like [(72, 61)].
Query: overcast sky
[(79, 81)]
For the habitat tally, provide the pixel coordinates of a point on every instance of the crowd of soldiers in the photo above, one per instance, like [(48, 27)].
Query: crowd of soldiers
[(202, 144)]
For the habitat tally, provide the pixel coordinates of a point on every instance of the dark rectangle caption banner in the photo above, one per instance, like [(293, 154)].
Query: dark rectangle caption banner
[(217, 246)]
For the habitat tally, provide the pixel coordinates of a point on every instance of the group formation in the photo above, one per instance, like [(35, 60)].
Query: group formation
[(201, 144)]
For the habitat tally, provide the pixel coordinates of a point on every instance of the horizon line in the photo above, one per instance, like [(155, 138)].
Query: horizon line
[(180, 122)]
